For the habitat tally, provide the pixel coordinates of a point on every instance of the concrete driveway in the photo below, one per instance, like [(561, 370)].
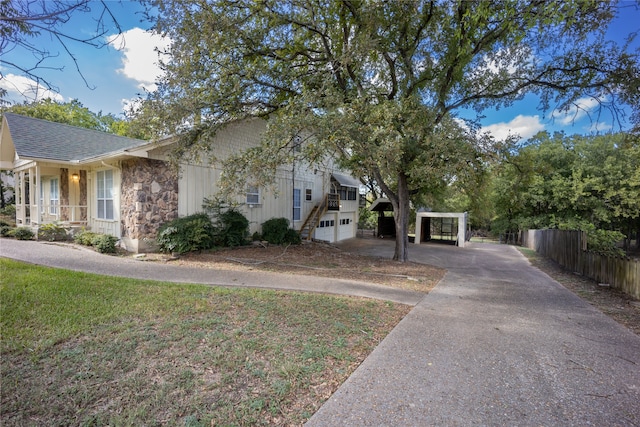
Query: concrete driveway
[(496, 343)]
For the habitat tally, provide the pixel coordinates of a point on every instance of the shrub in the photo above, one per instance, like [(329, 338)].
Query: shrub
[(292, 236), (85, 238), (52, 232), (5, 230), (104, 243), (23, 233), (231, 227), (9, 210), (191, 233), (277, 232)]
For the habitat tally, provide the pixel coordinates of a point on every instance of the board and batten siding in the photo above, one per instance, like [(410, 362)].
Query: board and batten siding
[(198, 182)]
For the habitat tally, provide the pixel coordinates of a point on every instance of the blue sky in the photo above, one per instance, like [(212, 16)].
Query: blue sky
[(119, 72)]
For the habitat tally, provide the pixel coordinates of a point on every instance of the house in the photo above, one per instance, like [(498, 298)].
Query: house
[(126, 188)]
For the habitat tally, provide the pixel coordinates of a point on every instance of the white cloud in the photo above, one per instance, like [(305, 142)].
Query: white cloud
[(598, 127), (523, 126), (580, 109), (140, 59), (21, 88), (131, 104)]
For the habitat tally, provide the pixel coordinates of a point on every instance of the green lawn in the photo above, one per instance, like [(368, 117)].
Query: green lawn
[(83, 349)]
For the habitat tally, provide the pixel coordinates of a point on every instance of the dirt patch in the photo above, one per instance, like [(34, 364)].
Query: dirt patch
[(318, 259)]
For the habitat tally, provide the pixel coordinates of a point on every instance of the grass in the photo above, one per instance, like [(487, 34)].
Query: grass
[(83, 349)]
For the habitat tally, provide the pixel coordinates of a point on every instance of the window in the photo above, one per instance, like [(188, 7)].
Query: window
[(307, 196), (54, 196), (41, 197), (342, 191), (105, 194), (253, 195), (348, 193), (296, 204), (351, 193)]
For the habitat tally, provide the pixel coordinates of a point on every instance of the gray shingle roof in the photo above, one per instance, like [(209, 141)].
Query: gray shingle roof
[(42, 139)]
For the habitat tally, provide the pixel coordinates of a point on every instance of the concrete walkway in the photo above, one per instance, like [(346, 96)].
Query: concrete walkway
[(78, 258), (497, 342)]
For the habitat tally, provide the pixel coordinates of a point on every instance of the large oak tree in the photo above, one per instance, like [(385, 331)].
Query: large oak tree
[(379, 83)]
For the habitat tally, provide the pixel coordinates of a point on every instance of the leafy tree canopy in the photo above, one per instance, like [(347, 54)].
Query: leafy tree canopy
[(379, 83), (75, 114), (576, 182)]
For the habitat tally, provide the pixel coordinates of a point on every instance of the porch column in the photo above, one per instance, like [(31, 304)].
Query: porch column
[(34, 195), (21, 214)]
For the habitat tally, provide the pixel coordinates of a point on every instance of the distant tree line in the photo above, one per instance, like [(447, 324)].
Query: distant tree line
[(75, 114), (589, 183)]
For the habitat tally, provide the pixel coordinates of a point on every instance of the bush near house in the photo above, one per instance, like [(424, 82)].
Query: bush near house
[(85, 238), (22, 233), (231, 227), (9, 211), (187, 234), (277, 232), (5, 229), (103, 243), (52, 233)]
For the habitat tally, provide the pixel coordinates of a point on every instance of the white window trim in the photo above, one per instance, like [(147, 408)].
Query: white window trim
[(253, 191), (297, 208), (102, 215), (54, 202)]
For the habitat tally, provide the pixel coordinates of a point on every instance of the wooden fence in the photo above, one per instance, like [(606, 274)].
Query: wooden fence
[(569, 249)]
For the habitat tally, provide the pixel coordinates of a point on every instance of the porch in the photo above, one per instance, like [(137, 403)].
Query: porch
[(37, 215), (46, 195)]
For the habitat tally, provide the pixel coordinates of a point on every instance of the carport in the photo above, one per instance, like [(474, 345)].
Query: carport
[(452, 227)]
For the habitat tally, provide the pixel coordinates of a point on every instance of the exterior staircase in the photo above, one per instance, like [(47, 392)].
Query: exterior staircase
[(330, 202)]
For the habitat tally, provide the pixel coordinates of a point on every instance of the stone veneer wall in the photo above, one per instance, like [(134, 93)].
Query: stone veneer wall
[(64, 194), (83, 195), (149, 198)]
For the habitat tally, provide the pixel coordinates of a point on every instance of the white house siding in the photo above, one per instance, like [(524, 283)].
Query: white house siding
[(197, 182)]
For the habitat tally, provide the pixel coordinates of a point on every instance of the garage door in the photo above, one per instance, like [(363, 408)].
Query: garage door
[(346, 226), (326, 229)]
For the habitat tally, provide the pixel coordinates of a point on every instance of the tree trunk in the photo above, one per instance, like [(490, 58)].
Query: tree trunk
[(401, 217)]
